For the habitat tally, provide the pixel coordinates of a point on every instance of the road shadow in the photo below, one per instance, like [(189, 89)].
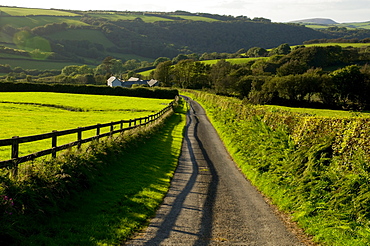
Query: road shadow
[(167, 226)]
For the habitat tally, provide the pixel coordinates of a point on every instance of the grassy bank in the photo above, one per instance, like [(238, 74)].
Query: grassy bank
[(32, 113), (99, 197), (314, 168)]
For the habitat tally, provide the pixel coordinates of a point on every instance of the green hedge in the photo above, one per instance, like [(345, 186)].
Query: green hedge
[(89, 89), (315, 168)]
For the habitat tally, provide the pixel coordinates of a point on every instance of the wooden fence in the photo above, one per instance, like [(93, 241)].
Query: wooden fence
[(15, 141)]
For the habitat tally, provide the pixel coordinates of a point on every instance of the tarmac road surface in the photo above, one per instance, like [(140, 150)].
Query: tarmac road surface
[(210, 202)]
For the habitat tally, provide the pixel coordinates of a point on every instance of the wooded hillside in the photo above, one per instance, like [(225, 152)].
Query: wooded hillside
[(88, 37)]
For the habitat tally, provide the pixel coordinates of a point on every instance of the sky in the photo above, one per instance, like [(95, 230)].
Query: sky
[(340, 11)]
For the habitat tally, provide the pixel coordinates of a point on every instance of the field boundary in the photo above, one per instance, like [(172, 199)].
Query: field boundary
[(16, 140)]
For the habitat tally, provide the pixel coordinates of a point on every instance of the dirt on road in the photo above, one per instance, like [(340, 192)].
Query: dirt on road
[(210, 202)]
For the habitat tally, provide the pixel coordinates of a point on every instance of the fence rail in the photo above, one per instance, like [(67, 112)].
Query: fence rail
[(14, 142)]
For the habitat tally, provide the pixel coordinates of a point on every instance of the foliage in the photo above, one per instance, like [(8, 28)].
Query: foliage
[(299, 78), (315, 168)]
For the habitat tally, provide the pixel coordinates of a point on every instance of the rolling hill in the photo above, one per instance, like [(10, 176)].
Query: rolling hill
[(87, 37)]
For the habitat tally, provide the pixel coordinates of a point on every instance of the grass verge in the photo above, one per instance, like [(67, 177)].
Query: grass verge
[(121, 184), (313, 168)]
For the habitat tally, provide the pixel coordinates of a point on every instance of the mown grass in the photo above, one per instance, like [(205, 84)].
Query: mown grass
[(32, 113), (129, 184)]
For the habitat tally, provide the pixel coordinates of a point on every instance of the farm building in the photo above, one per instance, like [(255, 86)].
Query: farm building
[(113, 81)]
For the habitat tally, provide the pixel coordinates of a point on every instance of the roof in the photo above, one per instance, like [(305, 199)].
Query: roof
[(111, 79), (133, 79), (152, 82)]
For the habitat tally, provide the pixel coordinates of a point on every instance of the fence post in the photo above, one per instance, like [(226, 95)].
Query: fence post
[(79, 137), (54, 144), (15, 153), (111, 129), (121, 124), (97, 131)]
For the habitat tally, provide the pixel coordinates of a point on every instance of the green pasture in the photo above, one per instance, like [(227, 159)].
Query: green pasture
[(125, 182), (117, 17), (12, 11), (35, 64), (94, 36), (235, 60), (356, 45), (212, 62), (194, 18), (33, 113), (34, 21), (365, 25)]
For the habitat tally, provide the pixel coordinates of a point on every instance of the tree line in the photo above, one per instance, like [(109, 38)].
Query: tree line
[(332, 76)]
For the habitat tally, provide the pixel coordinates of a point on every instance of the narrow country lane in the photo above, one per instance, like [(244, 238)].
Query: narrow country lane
[(210, 202)]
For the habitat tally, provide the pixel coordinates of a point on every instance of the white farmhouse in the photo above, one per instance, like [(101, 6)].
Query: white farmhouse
[(113, 81)]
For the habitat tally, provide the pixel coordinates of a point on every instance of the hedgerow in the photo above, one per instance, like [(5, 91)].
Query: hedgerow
[(89, 89), (316, 168)]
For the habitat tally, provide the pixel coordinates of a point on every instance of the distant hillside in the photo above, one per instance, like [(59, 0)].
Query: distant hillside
[(87, 37), (316, 21)]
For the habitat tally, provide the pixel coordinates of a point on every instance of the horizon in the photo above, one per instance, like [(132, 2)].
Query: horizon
[(340, 11)]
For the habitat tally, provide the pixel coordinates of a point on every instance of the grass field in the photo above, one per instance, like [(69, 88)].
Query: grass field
[(116, 17), (41, 115), (12, 11), (235, 60), (94, 35), (350, 25), (357, 45), (194, 18), (34, 21), (36, 64), (128, 186), (212, 62)]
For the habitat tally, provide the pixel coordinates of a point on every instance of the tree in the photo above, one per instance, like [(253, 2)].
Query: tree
[(160, 59), (179, 58), (257, 52), (282, 49), (70, 70), (183, 72), (106, 65), (349, 84), (292, 67), (219, 76), (163, 73)]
